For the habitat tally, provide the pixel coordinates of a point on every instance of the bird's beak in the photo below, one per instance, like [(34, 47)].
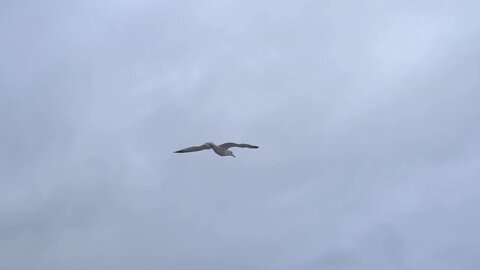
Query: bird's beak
[(233, 155)]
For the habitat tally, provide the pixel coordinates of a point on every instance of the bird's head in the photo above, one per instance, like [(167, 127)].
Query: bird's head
[(230, 153)]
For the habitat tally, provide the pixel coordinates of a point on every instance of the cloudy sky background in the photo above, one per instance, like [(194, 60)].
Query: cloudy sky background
[(367, 114)]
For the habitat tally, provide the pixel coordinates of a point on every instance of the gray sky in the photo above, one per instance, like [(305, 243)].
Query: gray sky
[(367, 114)]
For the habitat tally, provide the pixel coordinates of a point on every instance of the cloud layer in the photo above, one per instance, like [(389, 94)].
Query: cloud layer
[(367, 115)]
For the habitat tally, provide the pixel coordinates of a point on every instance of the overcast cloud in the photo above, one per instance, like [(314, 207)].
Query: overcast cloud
[(367, 114)]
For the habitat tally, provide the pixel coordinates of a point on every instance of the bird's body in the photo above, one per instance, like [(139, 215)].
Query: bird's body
[(221, 150)]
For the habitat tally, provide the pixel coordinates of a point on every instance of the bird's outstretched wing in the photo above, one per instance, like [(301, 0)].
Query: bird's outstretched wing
[(241, 145), (193, 149)]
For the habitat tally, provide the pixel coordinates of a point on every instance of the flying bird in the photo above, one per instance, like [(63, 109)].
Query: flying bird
[(221, 150)]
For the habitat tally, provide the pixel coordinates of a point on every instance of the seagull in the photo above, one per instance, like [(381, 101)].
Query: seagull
[(221, 150)]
